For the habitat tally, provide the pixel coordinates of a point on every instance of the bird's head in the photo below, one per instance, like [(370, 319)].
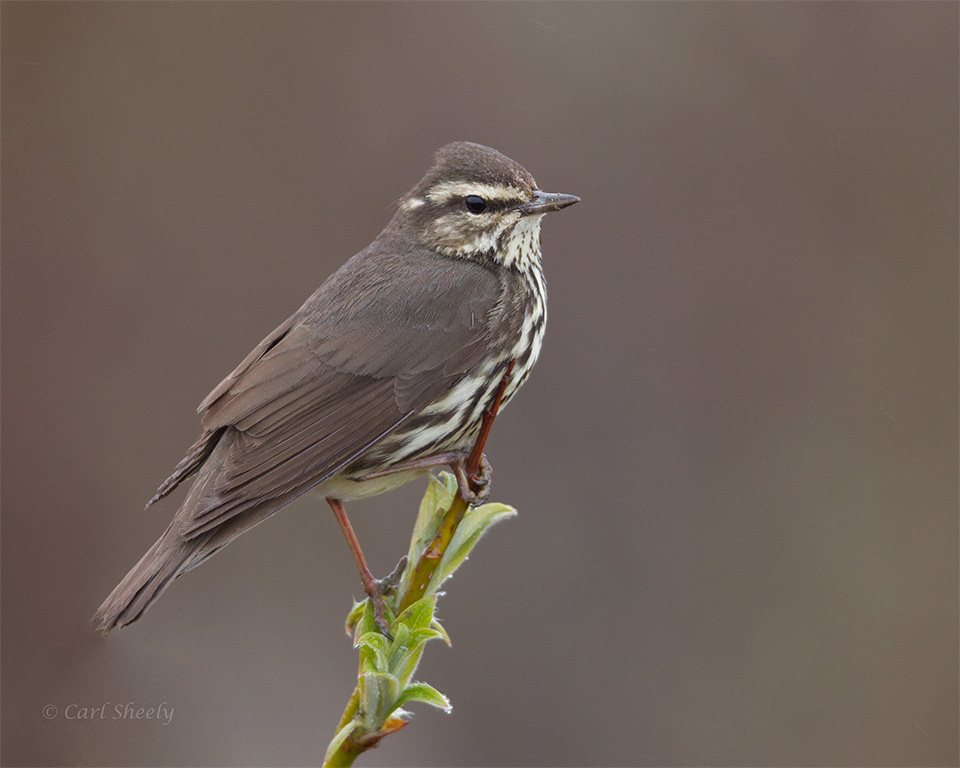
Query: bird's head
[(475, 203)]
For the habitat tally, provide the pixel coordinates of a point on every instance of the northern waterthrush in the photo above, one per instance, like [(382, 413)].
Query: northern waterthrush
[(382, 374)]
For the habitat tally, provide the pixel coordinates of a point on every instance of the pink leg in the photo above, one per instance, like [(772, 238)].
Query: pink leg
[(372, 586)]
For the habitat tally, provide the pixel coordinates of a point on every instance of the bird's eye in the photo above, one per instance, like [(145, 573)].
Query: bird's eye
[(475, 203)]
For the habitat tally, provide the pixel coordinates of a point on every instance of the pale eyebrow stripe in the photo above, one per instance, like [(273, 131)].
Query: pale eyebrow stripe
[(446, 191), (413, 202)]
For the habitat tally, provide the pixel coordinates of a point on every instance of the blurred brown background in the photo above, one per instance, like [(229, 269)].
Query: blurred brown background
[(735, 465)]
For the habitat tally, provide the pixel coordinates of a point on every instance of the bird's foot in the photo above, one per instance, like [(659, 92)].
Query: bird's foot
[(377, 589), (466, 483), (457, 461)]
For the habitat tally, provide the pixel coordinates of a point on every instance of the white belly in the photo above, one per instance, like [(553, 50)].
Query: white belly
[(339, 487)]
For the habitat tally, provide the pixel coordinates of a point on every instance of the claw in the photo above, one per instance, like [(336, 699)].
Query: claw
[(375, 593), (391, 580), (482, 479), (377, 589)]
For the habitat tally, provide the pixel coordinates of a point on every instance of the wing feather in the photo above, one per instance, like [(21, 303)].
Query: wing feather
[(382, 338)]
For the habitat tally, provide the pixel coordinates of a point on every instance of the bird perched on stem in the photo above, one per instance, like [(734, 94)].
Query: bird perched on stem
[(383, 374)]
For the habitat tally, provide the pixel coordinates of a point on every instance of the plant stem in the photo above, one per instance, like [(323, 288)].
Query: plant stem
[(360, 740), (344, 756)]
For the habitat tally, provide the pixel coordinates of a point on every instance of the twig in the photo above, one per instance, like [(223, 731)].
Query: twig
[(355, 733)]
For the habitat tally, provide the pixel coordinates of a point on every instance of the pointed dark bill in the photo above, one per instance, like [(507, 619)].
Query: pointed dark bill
[(544, 202)]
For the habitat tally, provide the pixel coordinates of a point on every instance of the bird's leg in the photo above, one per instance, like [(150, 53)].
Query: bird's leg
[(457, 461), (471, 468), (375, 588)]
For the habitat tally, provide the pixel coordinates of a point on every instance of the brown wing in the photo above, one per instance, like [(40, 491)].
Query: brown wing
[(382, 338)]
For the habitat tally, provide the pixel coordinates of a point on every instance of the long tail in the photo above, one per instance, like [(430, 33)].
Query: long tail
[(173, 554), (170, 556)]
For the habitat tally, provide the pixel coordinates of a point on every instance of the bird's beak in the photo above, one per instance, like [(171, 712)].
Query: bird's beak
[(544, 202)]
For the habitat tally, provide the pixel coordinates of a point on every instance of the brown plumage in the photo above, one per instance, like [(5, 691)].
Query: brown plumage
[(392, 359)]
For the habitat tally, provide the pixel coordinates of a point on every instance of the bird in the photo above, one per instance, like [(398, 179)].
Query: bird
[(383, 374)]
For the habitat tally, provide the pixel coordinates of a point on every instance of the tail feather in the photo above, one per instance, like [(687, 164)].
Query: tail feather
[(173, 554), (196, 455), (147, 580)]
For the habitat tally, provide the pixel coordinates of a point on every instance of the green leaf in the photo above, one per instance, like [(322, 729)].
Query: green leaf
[(387, 665), (436, 501), (420, 636), (472, 527), (406, 664), (425, 693), (438, 628), (379, 695), (401, 647), (449, 481), (374, 652), (353, 618), (407, 649), (366, 623), (342, 735), (420, 614)]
